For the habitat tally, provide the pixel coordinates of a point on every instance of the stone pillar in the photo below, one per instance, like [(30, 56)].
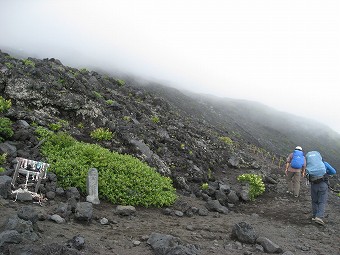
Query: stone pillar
[(92, 187)]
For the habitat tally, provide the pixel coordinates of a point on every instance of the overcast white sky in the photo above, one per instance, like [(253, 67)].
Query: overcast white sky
[(283, 53)]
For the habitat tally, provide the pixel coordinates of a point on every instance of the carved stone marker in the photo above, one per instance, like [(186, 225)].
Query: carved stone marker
[(92, 187)]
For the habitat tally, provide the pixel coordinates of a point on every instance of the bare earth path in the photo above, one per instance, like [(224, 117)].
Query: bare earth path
[(281, 218)]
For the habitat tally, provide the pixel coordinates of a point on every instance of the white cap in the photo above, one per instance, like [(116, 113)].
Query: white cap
[(298, 148)]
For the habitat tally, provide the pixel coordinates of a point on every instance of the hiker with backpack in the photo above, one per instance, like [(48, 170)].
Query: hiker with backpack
[(317, 174), (295, 167)]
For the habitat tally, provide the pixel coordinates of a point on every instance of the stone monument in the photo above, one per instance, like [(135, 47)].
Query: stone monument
[(92, 187)]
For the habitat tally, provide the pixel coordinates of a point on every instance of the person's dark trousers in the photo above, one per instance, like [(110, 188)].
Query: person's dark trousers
[(319, 194)]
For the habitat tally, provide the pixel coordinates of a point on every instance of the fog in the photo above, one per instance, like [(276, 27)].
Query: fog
[(283, 53)]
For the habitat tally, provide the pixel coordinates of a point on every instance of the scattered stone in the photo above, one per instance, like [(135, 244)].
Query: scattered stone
[(57, 218), (203, 212), (10, 236), (244, 233), (72, 193), (136, 243), (50, 195), (5, 186), (84, 211), (170, 245), (77, 242), (60, 191), (268, 245), (28, 213), (179, 213), (215, 205), (24, 196), (288, 253), (104, 221), (167, 211), (125, 210)]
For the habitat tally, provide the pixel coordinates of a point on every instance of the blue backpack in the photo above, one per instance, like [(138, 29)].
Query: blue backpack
[(315, 165), (297, 160)]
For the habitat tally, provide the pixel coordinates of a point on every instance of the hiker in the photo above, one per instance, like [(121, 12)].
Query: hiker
[(295, 166), (317, 173)]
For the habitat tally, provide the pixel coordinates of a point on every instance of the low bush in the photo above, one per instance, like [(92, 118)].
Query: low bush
[(123, 179), (6, 130), (4, 104), (3, 158), (257, 186), (226, 140)]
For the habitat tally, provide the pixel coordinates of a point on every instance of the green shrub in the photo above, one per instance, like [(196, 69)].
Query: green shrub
[(3, 158), (6, 130), (120, 82), (155, 119), (123, 179), (257, 186), (43, 133), (96, 94), (57, 126), (101, 134), (61, 81), (83, 70), (127, 118), (4, 104), (226, 140), (110, 102), (204, 186), (9, 65), (2, 169), (28, 62)]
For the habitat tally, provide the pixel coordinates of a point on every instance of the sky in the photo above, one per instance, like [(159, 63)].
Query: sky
[(282, 53)]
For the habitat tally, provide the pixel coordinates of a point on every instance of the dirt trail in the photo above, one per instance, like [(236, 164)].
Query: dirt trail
[(280, 217)]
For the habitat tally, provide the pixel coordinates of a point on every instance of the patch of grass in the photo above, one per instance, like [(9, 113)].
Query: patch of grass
[(101, 134)]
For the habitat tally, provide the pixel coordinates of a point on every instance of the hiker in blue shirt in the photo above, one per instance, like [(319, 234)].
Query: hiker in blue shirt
[(317, 172)]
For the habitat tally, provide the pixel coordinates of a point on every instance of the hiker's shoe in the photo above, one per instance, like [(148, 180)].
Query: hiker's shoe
[(313, 218), (296, 196), (289, 192), (319, 221)]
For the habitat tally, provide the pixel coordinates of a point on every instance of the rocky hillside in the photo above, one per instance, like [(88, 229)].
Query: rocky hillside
[(256, 123), (156, 130), (191, 138), (182, 135)]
